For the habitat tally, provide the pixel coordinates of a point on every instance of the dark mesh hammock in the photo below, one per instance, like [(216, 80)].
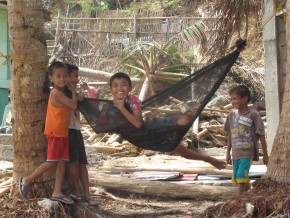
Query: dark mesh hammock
[(160, 131)]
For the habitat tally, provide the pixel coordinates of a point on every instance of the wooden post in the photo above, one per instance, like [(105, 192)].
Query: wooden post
[(57, 32), (135, 17)]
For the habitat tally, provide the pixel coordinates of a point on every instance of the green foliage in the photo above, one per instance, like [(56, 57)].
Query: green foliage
[(159, 62)]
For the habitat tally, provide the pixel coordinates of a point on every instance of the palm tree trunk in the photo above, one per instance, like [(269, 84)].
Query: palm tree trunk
[(144, 89), (27, 42), (279, 164)]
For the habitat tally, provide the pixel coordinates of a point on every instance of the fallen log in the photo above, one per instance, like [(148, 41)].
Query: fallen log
[(163, 189), (99, 75), (191, 170)]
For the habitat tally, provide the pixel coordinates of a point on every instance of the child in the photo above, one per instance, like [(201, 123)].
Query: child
[(245, 128), (91, 91), (120, 85), (56, 131), (77, 153)]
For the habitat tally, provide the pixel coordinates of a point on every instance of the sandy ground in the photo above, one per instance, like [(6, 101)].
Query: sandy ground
[(124, 204), (116, 203)]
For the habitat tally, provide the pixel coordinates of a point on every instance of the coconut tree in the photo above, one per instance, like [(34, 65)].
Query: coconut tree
[(29, 60), (162, 62), (279, 164)]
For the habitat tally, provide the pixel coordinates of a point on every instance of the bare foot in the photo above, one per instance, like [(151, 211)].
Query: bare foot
[(183, 120), (219, 164)]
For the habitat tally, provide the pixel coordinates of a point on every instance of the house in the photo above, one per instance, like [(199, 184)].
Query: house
[(4, 49)]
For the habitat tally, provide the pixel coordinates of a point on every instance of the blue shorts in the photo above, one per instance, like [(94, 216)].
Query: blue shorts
[(241, 170)]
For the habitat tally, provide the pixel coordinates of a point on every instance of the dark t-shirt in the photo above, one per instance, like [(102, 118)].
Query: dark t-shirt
[(244, 130)]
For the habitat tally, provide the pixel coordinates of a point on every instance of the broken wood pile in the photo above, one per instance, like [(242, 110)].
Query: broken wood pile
[(5, 186)]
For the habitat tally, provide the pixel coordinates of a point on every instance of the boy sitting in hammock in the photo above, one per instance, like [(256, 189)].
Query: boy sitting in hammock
[(173, 128)]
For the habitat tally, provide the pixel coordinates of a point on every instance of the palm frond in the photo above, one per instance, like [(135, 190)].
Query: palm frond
[(136, 68), (232, 22)]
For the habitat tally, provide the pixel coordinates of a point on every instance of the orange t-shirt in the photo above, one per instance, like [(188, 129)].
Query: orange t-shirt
[(57, 120)]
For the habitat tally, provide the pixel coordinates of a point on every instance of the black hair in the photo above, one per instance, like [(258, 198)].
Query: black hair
[(51, 68), (241, 90), (71, 68), (120, 75)]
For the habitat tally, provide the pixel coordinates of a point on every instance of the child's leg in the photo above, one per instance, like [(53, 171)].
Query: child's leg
[(189, 154), (84, 176), (59, 178), (242, 188), (241, 174), (38, 172), (85, 183), (74, 169)]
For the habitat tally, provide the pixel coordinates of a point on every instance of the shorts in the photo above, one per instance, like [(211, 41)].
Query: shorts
[(57, 148), (77, 152), (241, 170)]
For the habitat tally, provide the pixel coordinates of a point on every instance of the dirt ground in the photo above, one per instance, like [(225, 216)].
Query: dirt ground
[(115, 203), (123, 204)]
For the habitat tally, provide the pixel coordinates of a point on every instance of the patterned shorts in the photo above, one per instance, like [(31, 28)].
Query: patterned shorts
[(241, 170)]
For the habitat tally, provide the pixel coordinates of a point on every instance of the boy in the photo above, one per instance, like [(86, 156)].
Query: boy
[(77, 153), (245, 128), (120, 85)]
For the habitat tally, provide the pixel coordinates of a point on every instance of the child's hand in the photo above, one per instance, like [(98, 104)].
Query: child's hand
[(229, 159), (71, 87), (265, 159), (81, 96), (119, 103)]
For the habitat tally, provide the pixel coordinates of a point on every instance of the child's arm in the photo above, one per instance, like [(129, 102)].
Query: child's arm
[(229, 147), (134, 118), (59, 97), (264, 148), (80, 97)]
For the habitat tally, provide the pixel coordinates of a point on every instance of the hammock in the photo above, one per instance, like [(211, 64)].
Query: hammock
[(160, 131)]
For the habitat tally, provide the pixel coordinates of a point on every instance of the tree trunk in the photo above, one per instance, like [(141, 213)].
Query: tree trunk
[(28, 48), (99, 75), (279, 164), (144, 89)]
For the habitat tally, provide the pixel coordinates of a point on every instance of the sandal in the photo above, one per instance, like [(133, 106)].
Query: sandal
[(62, 198), (23, 189)]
